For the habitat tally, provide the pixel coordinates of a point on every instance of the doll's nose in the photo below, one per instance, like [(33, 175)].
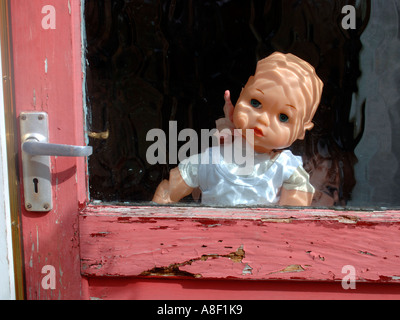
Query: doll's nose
[(241, 120), (263, 119)]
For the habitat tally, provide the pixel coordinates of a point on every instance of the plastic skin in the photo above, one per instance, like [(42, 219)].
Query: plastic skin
[(278, 103)]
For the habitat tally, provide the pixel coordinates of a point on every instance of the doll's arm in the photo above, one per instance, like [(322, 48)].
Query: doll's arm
[(295, 198), (172, 190), (297, 190)]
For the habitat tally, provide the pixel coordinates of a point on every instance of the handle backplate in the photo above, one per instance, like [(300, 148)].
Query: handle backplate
[(36, 152), (36, 169)]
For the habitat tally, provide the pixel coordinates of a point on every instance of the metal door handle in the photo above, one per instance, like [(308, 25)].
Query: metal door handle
[(36, 164), (34, 147)]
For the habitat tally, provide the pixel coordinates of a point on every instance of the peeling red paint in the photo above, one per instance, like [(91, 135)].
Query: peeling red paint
[(312, 247), (138, 220), (99, 234), (211, 223), (159, 228), (124, 219)]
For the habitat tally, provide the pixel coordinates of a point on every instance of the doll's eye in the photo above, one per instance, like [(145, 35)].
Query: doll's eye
[(255, 103), (283, 118)]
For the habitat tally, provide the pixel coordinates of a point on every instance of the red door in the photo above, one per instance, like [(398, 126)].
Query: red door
[(76, 250), (46, 39)]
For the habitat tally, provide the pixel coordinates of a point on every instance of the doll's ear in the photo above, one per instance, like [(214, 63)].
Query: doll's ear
[(308, 126)]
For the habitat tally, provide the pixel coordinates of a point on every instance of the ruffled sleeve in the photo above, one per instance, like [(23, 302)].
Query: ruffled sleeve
[(189, 170), (299, 180)]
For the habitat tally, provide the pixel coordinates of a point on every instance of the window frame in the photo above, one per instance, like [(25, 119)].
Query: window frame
[(186, 241), (289, 244)]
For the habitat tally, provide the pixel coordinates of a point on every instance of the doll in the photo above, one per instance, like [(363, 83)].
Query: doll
[(275, 108)]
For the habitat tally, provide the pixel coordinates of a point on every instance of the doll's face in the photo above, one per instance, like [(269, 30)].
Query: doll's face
[(277, 119)]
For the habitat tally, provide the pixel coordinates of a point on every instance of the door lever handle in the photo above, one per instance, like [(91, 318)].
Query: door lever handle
[(36, 164), (34, 147)]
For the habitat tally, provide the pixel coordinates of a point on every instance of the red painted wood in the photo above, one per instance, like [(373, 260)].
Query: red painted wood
[(243, 244), (156, 289), (48, 77), (177, 243)]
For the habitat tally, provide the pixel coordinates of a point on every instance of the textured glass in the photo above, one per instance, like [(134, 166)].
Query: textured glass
[(151, 62)]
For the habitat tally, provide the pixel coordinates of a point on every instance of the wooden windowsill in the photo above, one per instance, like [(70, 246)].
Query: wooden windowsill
[(240, 243)]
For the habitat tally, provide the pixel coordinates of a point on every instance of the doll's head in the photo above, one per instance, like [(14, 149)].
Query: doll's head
[(278, 102)]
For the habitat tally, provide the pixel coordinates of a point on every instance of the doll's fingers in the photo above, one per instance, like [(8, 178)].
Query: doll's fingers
[(228, 107), (227, 96)]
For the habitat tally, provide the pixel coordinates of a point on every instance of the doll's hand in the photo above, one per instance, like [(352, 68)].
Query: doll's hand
[(228, 107), (172, 190), (225, 125)]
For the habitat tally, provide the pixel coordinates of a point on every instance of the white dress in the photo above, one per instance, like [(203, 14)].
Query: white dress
[(222, 186)]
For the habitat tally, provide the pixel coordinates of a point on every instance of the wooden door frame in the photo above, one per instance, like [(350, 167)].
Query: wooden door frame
[(11, 144), (7, 287), (47, 59), (85, 242)]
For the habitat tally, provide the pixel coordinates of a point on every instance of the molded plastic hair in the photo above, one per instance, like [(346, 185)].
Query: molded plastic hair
[(278, 64)]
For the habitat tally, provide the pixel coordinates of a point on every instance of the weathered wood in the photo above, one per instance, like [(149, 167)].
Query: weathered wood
[(257, 244), (48, 77)]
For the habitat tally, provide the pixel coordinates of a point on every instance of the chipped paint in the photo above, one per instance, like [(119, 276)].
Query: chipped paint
[(99, 234), (174, 269), (247, 270), (34, 98), (274, 220), (314, 256), (292, 268), (295, 245), (37, 238), (366, 253), (348, 219)]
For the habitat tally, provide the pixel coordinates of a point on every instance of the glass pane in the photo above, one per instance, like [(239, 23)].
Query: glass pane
[(153, 62)]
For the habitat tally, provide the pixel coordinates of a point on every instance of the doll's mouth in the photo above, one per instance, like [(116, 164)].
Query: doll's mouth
[(258, 132)]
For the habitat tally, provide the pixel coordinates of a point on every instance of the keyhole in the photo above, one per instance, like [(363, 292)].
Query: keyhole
[(36, 182)]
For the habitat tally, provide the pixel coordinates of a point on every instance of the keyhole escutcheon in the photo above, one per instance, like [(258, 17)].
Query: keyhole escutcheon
[(35, 184)]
